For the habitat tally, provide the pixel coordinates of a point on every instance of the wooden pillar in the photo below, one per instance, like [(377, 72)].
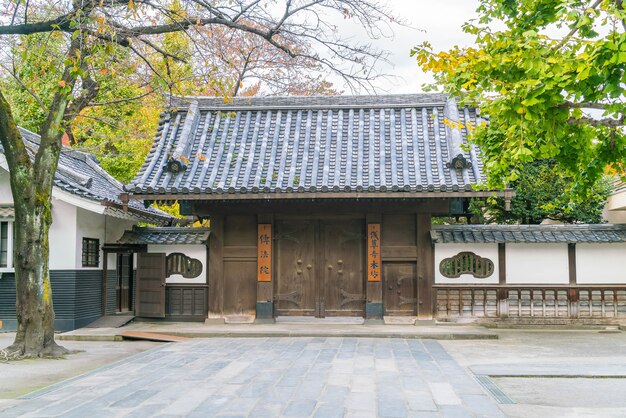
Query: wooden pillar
[(374, 289), (503, 294), (216, 268), (572, 293), (105, 279), (265, 278), (425, 269)]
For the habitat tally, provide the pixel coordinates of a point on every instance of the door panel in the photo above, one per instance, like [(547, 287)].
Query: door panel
[(400, 288), (343, 290), (295, 292), (151, 285), (124, 281)]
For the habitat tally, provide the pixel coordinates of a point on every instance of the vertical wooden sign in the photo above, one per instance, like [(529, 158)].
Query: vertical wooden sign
[(373, 253), (264, 259)]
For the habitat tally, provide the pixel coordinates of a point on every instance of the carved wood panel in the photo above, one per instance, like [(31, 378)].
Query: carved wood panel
[(400, 288)]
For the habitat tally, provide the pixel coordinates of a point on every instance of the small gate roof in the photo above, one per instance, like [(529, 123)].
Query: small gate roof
[(471, 234), (325, 147), (165, 235)]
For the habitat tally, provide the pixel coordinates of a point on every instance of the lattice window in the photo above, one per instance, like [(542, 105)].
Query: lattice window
[(178, 263), (91, 252), (466, 262)]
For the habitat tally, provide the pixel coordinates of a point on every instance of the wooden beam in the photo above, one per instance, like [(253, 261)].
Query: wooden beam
[(425, 269), (216, 268), (571, 259), (573, 295), (503, 294), (333, 209)]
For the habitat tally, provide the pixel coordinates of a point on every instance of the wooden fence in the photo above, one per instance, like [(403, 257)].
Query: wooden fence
[(527, 301)]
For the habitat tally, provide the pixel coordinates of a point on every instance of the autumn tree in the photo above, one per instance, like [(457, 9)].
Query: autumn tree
[(548, 76), (92, 27)]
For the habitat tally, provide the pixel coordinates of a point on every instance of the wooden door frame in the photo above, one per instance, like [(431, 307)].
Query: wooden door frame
[(131, 284)]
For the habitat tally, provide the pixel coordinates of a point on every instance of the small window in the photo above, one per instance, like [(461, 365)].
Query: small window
[(91, 252), (188, 267), (466, 263)]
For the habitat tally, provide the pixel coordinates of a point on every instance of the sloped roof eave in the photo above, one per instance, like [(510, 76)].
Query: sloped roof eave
[(321, 195), (272, 147)]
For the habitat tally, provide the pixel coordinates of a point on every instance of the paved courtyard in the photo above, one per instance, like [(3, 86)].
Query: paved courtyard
[(538, 373), (271, 377)]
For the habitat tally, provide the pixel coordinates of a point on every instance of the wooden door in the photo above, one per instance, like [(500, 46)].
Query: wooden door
[(150, 285), (124, 281), (400, 288), (320, 268), (296, 284), (342, 288)]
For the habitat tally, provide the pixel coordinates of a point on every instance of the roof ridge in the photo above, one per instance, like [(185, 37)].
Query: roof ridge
[(311, 102)]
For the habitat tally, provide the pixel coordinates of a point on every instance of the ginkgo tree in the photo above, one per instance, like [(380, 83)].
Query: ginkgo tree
[(548, 78), (298, 28)]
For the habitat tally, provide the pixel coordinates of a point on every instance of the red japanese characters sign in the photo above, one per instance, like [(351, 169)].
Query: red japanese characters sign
[(264, 260), (373, 253)]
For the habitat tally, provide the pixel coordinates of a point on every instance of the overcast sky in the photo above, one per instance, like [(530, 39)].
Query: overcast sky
[(440, 23)]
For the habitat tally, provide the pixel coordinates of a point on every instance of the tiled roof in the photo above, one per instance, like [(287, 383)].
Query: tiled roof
[(468, 234), (282, 145), (165, 235), (80, 174)]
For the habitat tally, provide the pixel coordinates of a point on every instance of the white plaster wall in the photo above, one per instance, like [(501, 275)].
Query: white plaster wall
[(63, 236), (88, 225), (194, 251), (489, 251), (601, 263), (115, 228), (6, 198), (537, 264)]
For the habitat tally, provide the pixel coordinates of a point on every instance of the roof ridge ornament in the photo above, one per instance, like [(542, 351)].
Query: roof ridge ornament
[(179, 159), (84, 181), (454, 137)]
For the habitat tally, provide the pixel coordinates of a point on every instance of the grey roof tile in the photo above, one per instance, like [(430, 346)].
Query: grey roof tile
[(165, 235), (392, 143), (601, 233), (80, 174)]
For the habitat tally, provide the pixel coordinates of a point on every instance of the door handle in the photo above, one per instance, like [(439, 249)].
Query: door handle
[(330, 267)]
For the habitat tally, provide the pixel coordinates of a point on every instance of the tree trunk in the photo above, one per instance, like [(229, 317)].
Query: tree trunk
[(34, 310)]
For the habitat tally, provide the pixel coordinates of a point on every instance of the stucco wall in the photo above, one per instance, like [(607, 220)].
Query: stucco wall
[(88, 225), (5, 188), (198, 252), (63, 236), (601, 263), (489, 251), (537, 264), (114, 230)]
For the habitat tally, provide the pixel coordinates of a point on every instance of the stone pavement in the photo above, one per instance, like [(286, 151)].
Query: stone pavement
[(327, 327), (272, 377)]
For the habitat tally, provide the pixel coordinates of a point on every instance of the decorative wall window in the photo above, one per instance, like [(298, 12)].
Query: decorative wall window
[(178, 263), (6, 244), (91, 252), (466, 263)]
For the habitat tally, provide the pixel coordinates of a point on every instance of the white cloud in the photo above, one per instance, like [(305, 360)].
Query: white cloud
[(439, 23)]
